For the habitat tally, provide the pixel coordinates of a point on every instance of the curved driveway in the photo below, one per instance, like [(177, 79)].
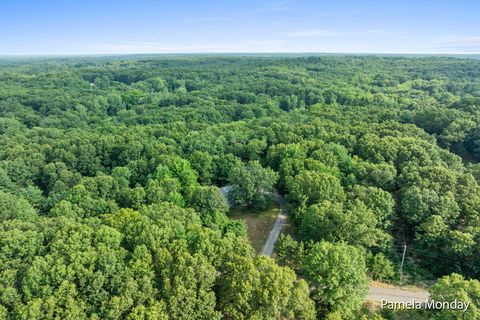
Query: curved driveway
[(393, 294)]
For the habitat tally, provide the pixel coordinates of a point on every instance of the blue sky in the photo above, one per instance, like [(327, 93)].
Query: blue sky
[(146, 26)]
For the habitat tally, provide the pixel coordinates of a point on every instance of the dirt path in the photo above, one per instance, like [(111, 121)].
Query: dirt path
[(272, 238), (274, 233), (395, 295), (376, 293)]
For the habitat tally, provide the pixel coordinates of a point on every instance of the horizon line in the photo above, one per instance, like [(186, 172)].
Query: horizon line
[(26, 55)]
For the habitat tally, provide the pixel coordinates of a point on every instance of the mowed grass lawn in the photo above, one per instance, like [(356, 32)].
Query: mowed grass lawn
[(259, 223)]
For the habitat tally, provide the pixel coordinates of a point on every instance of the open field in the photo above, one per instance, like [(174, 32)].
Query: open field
[(259, 223)]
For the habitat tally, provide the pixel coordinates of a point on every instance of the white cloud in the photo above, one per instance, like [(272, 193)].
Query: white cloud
[(459, 44), (253, 45), (157, 47), (471, 40), (328, 33), (474, 40)]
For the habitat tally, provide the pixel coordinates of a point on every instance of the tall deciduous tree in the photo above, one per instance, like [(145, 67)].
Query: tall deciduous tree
[(337, 274), (252, 185), (310, 187)]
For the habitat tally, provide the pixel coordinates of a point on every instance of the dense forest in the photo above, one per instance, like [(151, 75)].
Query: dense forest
[(110, 168)]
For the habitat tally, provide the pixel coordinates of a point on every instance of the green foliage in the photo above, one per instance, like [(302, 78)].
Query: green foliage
[(453, 287), (332, 222), (178, 168), (263, 291), (377, 200), (252, 185), (337, 274), (380, 267), (309, 187), (207, 200), (109, 168), (12, 207), (165, 190), (289, 252), (380, 175)]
